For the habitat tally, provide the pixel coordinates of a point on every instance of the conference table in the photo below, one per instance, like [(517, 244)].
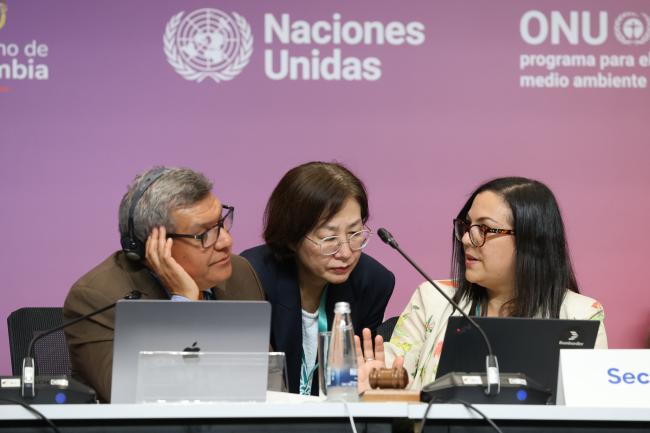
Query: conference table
[(321, 417)]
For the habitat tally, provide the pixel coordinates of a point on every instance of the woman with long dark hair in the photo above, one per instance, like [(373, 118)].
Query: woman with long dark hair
[(510, 259)]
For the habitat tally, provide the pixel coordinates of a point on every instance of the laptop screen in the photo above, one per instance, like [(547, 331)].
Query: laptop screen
[(206, 326), (521, 345)]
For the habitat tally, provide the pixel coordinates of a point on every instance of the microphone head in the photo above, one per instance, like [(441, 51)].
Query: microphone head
[(386, 237), (135, 294)]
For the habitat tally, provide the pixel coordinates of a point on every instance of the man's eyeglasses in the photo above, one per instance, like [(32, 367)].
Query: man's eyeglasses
[(210, 237), (332, 244), (477, 232)]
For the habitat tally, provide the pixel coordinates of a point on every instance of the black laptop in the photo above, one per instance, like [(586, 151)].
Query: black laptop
[(521, 345)]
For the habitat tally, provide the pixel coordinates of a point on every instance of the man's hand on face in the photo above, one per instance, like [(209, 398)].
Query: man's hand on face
[(160, 260)]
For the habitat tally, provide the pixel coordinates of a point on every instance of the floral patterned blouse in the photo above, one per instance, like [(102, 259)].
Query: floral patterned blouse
[(420, 330)]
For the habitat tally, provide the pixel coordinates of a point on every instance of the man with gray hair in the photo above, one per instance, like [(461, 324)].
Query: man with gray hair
[(176, 245)]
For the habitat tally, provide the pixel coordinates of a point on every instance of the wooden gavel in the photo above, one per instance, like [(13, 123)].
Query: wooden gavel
[(389, 378)]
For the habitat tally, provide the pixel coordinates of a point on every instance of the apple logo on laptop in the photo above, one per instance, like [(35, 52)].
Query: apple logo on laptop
[(192, 348), (191, 351)]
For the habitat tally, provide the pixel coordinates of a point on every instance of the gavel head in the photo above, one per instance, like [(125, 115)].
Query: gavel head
[(388, 378)]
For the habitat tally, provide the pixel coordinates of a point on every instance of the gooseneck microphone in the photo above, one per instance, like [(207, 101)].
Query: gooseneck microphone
[(28, 388), (491, 364)]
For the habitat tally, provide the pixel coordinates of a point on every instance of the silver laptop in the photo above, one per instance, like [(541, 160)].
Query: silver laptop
[(207, 326)]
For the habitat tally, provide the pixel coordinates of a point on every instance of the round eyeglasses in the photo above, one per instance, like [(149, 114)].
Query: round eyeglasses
[(210, 237), (477, 232), (331, 245)]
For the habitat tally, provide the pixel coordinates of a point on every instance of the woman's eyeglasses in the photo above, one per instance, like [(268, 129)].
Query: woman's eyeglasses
[(331, 245), (477, 232)]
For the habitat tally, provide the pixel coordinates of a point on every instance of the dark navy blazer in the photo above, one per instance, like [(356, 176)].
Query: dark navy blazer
[(367, 291)]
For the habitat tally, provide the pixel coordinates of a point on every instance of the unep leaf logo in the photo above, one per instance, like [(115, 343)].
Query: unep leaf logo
[(631, 28), (208, 43)]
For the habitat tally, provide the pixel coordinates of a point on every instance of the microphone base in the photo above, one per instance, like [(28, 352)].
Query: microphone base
[(470, 387), (49, 390)]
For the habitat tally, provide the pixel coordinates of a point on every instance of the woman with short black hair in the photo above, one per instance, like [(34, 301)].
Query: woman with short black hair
[(315, 231)]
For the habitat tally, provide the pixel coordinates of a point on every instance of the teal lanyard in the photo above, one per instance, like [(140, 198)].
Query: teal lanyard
[(322, 314), (306, 376)]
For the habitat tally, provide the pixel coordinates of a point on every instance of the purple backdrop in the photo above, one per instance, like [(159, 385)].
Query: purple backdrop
[(442, 105)]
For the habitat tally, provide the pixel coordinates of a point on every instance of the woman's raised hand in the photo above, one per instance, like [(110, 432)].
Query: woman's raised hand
[(369, 359)]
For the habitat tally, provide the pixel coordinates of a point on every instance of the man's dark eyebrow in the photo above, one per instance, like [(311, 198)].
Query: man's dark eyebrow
[(207, 225)]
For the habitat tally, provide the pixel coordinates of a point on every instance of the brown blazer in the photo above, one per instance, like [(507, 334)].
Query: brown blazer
[(91, 341)]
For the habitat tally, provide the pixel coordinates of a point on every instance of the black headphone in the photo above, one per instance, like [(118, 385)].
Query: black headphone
[(131, 245)]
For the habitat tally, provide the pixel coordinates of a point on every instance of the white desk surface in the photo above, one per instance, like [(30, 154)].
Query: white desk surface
[(322, 410), (532, 412), (209, 410)]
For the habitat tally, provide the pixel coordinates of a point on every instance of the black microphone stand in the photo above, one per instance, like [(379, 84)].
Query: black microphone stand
[(491, 363), (28, 388)]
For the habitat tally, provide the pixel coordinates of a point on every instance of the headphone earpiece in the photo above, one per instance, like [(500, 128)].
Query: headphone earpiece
[(132, 246)]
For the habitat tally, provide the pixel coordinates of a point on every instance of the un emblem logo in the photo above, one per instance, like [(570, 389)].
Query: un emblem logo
[(208, 43), (632, 28)]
